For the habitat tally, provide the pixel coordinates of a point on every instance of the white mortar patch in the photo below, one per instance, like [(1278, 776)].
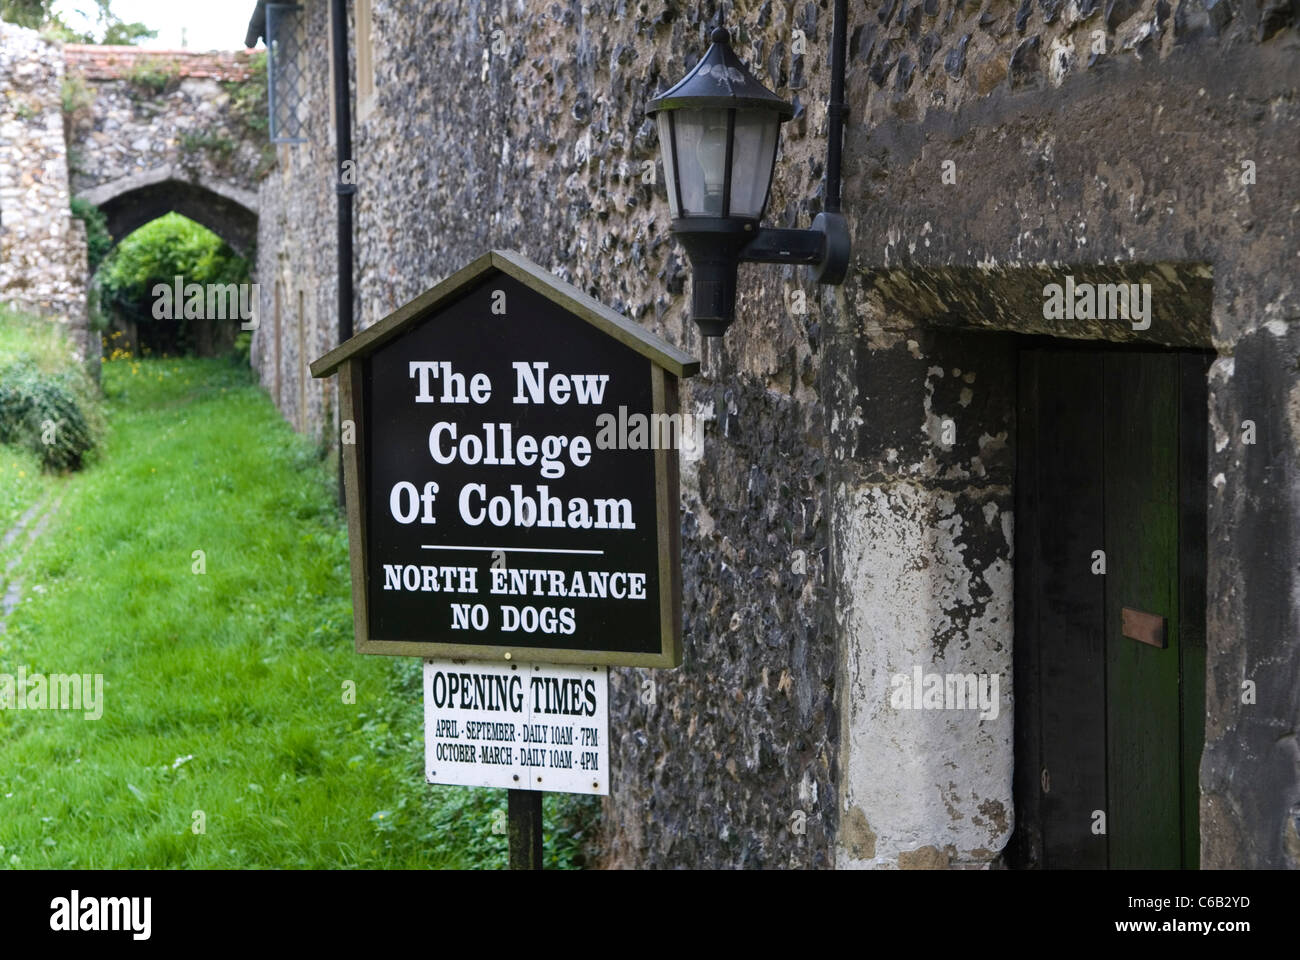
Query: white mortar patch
[(922, 777)]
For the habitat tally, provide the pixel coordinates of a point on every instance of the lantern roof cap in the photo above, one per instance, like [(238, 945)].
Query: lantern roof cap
[(720, 80)]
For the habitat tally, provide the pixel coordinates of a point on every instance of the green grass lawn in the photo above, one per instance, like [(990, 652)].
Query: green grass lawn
[(22, 484), (223, 690)]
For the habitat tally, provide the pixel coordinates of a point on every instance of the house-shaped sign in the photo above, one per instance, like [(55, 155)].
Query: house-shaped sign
[(510, 453)]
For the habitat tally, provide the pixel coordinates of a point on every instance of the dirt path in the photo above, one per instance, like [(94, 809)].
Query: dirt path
[(33, 523)]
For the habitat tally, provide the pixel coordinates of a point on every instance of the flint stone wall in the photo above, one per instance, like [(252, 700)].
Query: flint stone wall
[(832, 533), (42, 247)]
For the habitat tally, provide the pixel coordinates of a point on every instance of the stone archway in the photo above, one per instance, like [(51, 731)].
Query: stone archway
[(168, 132), (228, 210), (158, 133), (137, 133)]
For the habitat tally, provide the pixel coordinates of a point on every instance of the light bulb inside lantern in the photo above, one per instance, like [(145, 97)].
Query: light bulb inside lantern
[(712, 157)]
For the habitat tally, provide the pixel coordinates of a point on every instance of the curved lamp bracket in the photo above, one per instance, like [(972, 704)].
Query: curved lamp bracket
[(825, 247)]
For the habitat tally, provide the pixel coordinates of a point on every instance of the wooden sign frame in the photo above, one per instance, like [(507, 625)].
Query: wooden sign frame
[(667, 365)]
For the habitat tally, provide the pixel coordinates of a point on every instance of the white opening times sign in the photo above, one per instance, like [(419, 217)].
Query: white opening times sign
[(522, 726)]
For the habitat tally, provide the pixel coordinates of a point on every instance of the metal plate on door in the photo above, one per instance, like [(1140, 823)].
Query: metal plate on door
[(1143, 627)]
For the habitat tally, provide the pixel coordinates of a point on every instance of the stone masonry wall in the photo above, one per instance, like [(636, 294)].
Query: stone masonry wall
[(539, 147), (189, 124), (297, 252), (106, 62), (1170, 164), (42, 248), (831, 531), (180, 139)]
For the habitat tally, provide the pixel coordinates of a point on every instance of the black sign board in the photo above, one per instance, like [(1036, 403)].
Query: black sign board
[(510, 459)]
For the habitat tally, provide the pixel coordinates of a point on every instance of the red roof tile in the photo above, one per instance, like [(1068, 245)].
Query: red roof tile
[(114, 63)]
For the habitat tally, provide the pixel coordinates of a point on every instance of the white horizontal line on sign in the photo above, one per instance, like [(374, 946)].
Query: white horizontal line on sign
[(426, 546)]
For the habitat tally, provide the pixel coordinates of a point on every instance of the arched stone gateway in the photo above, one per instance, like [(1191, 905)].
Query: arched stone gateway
[(227, 210), (138, 133), (164, 131)]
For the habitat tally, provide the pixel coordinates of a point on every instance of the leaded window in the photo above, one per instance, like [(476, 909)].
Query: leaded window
[(286, 85)]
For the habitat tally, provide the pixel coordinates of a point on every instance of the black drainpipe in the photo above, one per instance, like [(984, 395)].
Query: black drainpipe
[(835, 110), (345, 191)]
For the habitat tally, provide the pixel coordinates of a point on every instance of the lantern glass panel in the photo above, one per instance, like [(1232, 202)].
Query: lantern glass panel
[(701, 160), (751, 162), (670, 161)]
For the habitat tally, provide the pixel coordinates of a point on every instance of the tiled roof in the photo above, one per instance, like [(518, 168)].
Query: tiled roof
[(113, 63)]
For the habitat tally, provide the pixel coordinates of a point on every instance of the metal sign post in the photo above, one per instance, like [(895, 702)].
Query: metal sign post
[(524, 829)]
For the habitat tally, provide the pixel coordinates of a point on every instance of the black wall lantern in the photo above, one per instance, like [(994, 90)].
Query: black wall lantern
[(718, 132)]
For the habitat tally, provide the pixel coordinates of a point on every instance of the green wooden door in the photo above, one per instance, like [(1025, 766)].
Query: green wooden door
[(1110, 477)]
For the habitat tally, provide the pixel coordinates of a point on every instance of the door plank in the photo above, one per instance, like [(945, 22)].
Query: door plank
[(1193, 456), (1140, 426), (1070, 606)]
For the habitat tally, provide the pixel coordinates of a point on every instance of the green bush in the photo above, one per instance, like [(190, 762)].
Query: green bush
[(243, 348), (248, 108), (41, 413), (169, 247), (248, 98), (48, 403), (218, 144), (570, 824), (154, 77)]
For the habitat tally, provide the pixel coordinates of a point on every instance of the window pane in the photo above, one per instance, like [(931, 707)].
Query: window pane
[(666, 151), (286, 83), (751, 162), (702, 160)]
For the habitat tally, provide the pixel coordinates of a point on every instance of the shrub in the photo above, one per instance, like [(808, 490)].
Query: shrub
[(35, 408), (48, 403), (218, 144), (243, 349), (249, 110), (571, 824), (76, 93), (248, 98), (157, 253), (154, 77)]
